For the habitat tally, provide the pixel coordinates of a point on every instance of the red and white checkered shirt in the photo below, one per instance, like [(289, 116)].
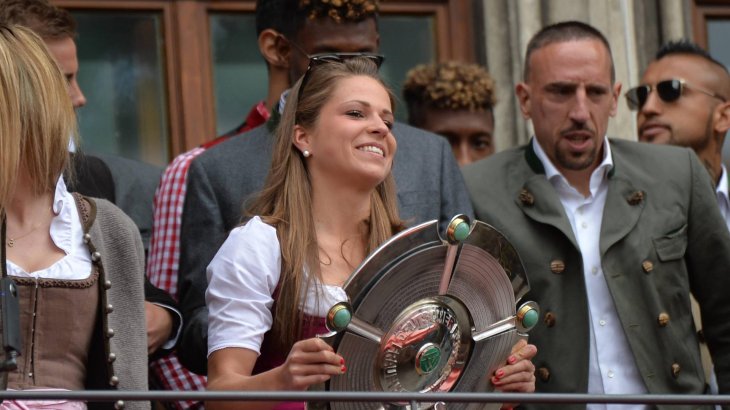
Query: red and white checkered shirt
[(164, 256)]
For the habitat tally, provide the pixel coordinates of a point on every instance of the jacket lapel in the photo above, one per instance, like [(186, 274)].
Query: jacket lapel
[(624, 204), (537, 197), (538, 201)]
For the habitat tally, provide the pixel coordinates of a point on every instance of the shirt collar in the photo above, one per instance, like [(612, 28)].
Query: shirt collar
[(722, 187), (257, 116), (282, 100), (62, 223), (598, 176)]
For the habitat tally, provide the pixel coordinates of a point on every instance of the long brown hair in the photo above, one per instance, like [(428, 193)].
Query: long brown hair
[(286, 202)]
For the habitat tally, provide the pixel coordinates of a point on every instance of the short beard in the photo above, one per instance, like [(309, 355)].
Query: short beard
[(566, 159), (575, 164)]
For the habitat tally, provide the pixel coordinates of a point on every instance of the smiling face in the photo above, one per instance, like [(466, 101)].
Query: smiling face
[(351, 141), (569, 97)]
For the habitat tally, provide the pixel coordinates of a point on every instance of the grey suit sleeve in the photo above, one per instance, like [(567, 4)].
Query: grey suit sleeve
[(708, 260), (201, 234), (454, 196)]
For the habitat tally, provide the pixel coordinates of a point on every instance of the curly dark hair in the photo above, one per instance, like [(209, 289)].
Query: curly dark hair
[(451, 85), (46, 20), (288, 16)]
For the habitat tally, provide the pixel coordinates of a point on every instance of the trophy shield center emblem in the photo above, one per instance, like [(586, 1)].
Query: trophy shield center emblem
[(425, 348), (427, 358)]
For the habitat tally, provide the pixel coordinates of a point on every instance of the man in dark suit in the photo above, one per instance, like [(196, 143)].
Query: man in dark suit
[(430, 185), (614, 234)]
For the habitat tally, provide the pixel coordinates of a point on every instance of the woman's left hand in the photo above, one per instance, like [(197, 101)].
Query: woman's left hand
[(519, 373)]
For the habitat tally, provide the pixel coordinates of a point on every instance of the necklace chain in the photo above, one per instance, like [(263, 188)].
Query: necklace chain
[(11, 241)]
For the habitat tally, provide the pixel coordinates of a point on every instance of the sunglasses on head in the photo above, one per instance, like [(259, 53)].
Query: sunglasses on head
[(667, 90), (319, 59)]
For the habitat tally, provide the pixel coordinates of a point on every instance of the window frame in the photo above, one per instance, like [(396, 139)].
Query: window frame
[(704, 11), (187, 51)]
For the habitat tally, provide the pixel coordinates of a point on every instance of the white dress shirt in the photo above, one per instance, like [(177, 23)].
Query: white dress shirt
[(612, 368)]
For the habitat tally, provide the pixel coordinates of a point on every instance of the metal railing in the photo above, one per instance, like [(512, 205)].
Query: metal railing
[(414, 398)]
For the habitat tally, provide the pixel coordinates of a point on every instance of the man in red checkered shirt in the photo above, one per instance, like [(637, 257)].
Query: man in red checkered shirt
[(162, 268), (165, 249)]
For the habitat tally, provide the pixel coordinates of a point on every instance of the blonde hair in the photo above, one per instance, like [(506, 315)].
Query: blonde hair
[(286, 203), (36, 116)]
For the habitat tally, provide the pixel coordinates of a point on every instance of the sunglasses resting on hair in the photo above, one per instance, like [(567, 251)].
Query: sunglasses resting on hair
[(667, 90), (319, 59)]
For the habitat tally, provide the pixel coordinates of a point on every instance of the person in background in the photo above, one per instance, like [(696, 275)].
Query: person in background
[(683, 101), (164, 257), (128, 183), (328, 202), (221, 179), (614, 234), (77, 262), (454, 100), (92, 175)]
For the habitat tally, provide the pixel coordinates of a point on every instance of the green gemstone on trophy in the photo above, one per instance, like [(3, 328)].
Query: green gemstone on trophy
[(342, 318), (429, 359), (530, 318), (461, 231)]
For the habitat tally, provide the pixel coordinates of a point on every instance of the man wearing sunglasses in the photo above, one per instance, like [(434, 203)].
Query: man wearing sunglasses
[(614, 234), (682, 100), (311, 32)]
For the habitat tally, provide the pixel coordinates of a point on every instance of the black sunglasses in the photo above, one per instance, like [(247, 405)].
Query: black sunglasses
[(319, 59), (667, 90)]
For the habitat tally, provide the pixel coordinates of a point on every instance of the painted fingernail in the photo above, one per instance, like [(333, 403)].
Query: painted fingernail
[(342, 361), (344, 369), (500, 374), (511, 359)]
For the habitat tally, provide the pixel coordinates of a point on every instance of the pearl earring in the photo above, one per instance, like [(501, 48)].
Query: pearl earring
[(306, 154)]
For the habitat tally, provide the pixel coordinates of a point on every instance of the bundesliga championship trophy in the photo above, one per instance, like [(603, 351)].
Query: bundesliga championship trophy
[(427, 314)]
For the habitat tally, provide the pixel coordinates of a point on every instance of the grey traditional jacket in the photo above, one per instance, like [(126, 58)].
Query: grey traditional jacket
[(662, 236), (116, 247)]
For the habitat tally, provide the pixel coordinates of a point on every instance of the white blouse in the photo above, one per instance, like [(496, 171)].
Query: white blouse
[(242, 278), (68, 235)]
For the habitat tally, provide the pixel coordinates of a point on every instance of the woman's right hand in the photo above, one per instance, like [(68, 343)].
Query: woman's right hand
[(310, 361)]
